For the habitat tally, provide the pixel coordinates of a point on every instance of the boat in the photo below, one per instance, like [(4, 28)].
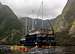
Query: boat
[(40, 37)]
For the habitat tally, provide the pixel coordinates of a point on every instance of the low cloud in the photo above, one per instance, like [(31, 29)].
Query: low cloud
[(32, 8)]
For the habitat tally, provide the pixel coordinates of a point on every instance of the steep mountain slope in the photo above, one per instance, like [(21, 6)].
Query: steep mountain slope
[(9, 24), (64, 25)]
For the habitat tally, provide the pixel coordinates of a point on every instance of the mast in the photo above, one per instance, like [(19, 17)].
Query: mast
[(33, 21), (42, 14), (26, 27)]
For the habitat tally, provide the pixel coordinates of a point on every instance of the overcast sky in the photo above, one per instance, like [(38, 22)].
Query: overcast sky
[(22, 8)]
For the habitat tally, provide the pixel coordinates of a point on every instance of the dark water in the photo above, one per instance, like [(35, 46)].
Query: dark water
[(4, 49)]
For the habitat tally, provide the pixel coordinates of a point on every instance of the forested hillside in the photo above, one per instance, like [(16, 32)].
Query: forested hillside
[(10, 26)]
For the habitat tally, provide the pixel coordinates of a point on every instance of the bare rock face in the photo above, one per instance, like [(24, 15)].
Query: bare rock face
[(67, 18), (64, 24), (71, 1)]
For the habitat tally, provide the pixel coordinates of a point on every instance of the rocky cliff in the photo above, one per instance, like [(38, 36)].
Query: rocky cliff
[(64, 25)]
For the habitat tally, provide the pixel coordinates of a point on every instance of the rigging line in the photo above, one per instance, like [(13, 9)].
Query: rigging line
[(42, 12), (39, 10), (51, 27)]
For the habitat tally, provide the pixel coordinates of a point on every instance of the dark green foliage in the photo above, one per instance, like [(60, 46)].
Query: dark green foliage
[(9, 23)]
